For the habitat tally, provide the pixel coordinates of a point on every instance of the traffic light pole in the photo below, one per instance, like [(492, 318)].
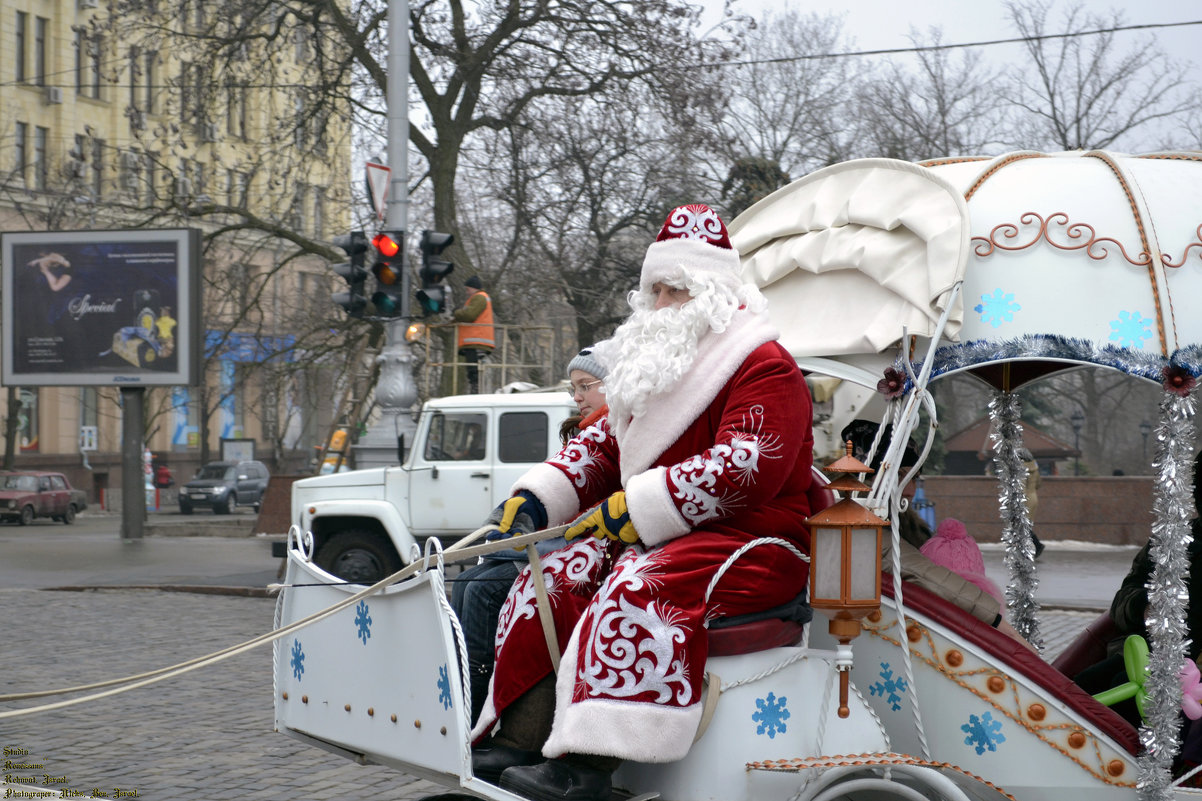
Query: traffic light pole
[(396, 391)]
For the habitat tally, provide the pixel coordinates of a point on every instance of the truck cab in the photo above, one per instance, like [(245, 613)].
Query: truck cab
[(467, 452)]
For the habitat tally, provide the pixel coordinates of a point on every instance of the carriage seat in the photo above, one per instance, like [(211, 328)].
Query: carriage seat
[(1089, 647), (776, 627), (1013, 657)]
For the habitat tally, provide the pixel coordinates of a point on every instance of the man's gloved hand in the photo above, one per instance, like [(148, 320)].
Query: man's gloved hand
[(521, 514), (609, 519)]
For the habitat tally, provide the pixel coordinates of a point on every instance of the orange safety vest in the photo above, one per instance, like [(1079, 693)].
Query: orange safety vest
[(478, 333)]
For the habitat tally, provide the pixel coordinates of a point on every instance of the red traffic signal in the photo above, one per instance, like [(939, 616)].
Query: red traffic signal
[(387, 243)]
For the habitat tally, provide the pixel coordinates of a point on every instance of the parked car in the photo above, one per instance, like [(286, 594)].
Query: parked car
[(225, 485), (29, 495)]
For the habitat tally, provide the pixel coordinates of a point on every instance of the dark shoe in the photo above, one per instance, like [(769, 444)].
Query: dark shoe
[(490, 761), (557, 780), (1038, 546)]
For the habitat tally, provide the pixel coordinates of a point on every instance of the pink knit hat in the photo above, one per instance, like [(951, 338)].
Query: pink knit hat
[(953, 548)]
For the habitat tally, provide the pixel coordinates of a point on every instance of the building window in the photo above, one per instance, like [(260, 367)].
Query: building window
[(40, 27), (134, 66), (89, 407), (148, 74), (21, 34), (300, 133), (97, 167), (41, 170), (236, 184), (27, 422), (235, 118), (22, 152), (296, 214), (319, 212), (79, 60), (95, 45)]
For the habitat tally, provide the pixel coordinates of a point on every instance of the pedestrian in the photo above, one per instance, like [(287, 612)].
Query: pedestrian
[(478, 593), (706, 447), (475, 335)]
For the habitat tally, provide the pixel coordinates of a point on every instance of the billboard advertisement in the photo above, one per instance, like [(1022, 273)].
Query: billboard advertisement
[(95, 308)]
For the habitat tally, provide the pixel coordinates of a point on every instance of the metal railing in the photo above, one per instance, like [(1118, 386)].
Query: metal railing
[(524, 353)]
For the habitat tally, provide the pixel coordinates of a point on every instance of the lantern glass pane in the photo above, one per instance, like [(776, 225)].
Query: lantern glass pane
[(826, 562), (865, 563)]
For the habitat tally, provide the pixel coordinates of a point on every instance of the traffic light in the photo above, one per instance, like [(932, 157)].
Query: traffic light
[(389, 270), (354, 301), (433, 295)]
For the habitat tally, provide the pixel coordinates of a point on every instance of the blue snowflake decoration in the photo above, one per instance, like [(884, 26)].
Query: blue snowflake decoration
[(363, 621), (771, 716), (444, 687), (1130, 329), (893, 685), (997, 308), (983, 733), (298, 659)]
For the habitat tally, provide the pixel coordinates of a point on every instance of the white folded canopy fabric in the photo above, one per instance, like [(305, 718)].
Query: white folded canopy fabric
[(850, 254)]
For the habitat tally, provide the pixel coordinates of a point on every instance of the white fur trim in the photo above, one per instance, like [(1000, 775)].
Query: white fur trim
[(669, 414), (674, 258), (642, 732), (554, 489), (488, 716), (652, 511)]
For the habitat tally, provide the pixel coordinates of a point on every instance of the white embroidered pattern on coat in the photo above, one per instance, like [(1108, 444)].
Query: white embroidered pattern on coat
[(633, 649), (575, 564), (738, 460), (579, 458)]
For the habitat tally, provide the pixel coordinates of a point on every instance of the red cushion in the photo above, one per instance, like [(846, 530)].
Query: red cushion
[(748, 638), (1013, 656)]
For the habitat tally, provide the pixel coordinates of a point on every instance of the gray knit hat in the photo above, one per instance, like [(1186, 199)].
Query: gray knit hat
[(585, 360)]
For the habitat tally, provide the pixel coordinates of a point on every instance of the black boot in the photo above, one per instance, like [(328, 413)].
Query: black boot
[(564, 779), (489, 761)]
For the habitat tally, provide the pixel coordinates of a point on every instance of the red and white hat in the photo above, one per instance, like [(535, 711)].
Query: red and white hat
[(692, 241)]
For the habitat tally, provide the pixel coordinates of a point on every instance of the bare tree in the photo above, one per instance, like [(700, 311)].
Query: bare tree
[(945, 105), (1084, 92)]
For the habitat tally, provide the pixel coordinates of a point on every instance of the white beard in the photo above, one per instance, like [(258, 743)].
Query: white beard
[(650, 352)]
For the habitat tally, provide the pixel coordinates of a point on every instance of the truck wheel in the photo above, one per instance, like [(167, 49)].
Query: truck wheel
[(357, 556), (26, 515), (69, 516), (226, 506), (185, 508)]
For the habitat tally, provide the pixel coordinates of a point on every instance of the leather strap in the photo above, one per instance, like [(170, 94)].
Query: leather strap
[(544, 606), (713, 688)]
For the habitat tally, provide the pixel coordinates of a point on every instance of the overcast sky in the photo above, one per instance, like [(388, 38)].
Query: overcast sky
[(880, 24)]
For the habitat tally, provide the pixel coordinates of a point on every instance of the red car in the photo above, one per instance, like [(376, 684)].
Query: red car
[(25, 496)]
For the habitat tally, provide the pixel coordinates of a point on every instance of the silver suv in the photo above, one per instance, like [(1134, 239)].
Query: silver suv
[(225, 485)]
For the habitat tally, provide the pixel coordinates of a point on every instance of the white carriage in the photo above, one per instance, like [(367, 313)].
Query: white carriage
[(1011, 268)]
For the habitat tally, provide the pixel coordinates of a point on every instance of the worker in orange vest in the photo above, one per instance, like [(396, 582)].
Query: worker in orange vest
[(475, 336)]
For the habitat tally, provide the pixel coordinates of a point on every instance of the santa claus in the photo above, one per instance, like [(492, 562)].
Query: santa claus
[(707, 446)]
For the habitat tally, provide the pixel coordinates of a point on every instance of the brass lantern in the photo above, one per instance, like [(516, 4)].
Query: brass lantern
[(845, 563)]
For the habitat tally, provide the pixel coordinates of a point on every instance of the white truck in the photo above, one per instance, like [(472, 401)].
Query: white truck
[(467, 452)]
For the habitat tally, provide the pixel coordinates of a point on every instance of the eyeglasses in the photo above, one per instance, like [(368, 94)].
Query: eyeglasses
[(587, 386)]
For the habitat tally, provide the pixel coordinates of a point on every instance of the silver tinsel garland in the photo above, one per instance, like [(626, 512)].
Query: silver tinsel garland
[(1167, 593), (1007, 435)]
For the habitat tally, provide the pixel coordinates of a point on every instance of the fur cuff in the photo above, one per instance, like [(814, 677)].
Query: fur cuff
[(554, 489), (654, 515)]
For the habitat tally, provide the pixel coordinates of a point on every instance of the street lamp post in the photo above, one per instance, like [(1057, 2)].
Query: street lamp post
[(1078, 420), (1145, 428)]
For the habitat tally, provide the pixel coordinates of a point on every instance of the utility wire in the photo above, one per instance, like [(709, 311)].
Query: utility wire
[(932, 48), (740, 63)]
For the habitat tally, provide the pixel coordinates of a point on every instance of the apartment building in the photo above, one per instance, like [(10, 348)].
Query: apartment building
[(144, 113)]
